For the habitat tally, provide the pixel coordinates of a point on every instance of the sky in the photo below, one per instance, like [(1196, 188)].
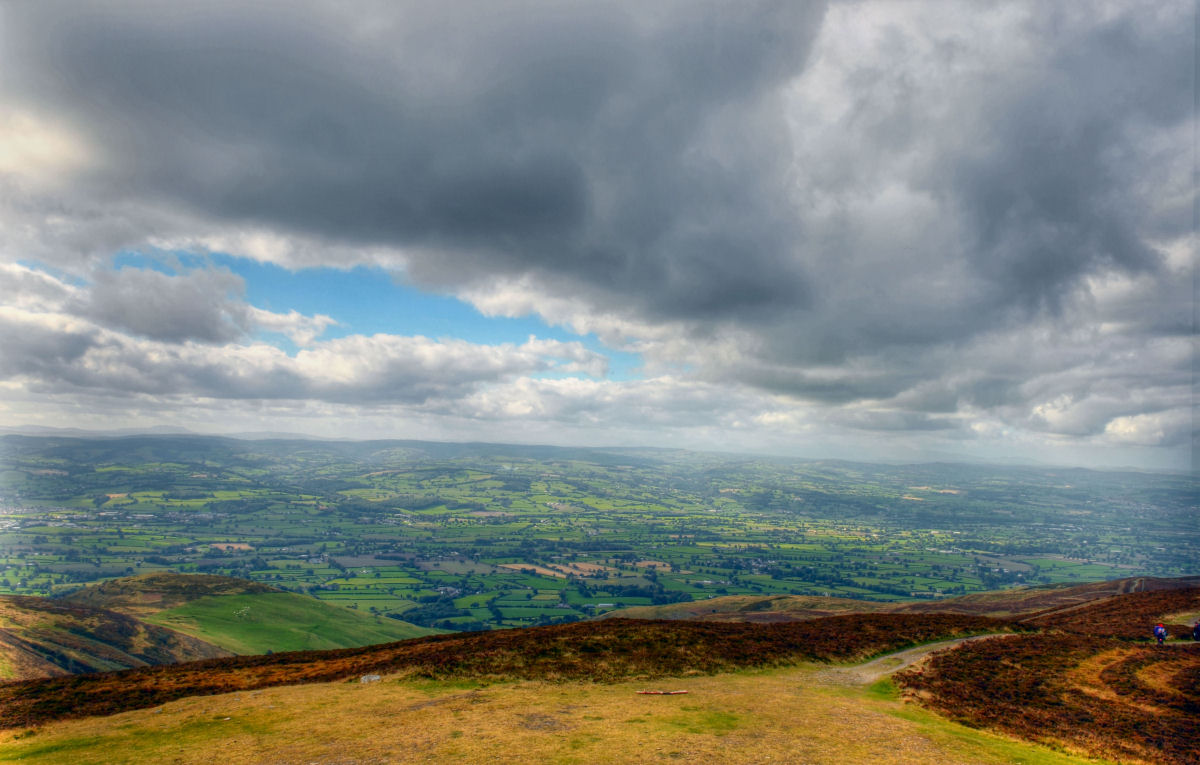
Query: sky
[(864, 230)]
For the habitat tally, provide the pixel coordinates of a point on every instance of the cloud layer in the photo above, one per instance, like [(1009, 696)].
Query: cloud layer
[(868, 217)]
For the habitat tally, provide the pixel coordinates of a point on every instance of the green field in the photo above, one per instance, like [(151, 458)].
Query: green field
[(278, 621)]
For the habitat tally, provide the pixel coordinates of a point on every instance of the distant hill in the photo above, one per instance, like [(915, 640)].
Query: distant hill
[(241, 616), (752, 608), (1020, 601), (40, 637), (1015, 602), (151, 593)]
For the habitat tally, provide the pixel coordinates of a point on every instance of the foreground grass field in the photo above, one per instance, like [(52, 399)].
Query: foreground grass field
[(798, 714), (1086, 683), (613, 650)]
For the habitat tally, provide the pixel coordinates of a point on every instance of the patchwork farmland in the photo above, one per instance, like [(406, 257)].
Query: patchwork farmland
[(480, 536)]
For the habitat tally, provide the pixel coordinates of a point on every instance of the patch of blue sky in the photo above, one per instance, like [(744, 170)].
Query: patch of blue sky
[(368, 301)]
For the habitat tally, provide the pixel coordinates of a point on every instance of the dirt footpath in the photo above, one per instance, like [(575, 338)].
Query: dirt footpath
[(865, 674)]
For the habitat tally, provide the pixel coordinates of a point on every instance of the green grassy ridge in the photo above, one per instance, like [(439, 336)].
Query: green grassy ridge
[(160, 590), (280, 621)]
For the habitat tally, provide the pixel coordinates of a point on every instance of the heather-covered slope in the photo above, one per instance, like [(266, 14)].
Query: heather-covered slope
[(1023, 601), (752, 608), (1093, 681), (1014, 602), (1104, 697)]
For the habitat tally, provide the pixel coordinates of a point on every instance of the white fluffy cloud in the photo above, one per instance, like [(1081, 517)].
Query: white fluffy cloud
[(56, 353)]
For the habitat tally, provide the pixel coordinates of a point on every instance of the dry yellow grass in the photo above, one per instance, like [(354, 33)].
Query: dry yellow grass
[(797, 715)]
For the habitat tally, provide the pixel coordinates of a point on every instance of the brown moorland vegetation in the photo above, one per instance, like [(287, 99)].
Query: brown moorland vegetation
[(1003, 604), (1044, 599), (1130, 616), (1101, 696), (607, 651), (752, 608), (1084, 685)]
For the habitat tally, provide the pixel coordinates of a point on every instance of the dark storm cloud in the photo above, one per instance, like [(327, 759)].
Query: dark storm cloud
[(636, 154), (637, 158), (1055, 192), (910, 210), (894, 420), (1023, 173)]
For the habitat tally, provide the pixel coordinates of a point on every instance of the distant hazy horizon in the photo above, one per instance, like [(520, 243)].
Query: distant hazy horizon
[(166, 431)]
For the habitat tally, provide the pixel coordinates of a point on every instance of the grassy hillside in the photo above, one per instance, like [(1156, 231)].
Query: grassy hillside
[(41, 637), (241, 616), (280, 621), (150, 593)]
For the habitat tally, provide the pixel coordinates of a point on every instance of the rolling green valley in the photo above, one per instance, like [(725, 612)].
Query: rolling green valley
[(479, 536)]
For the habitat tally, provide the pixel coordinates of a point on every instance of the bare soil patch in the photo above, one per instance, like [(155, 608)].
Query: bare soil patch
[(543, 570)]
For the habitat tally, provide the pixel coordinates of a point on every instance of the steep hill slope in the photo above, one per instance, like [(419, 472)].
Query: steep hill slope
[(1128, 616), (240, 616), (41, 637)]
